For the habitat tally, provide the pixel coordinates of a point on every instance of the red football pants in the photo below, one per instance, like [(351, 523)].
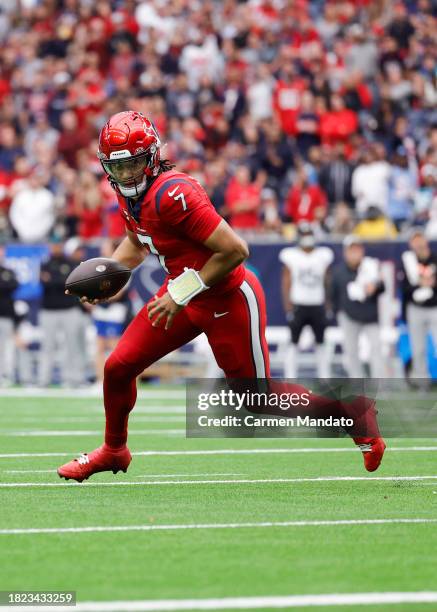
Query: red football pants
[(234, 324)]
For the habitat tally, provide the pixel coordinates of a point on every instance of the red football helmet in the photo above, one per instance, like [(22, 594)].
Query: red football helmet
[(129, 150)]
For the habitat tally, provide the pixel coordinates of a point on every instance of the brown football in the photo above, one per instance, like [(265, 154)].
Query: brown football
[(98, 278)]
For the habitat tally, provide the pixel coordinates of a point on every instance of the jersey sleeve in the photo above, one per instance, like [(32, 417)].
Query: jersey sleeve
[(328, 256), (184, 205), (286, 256)]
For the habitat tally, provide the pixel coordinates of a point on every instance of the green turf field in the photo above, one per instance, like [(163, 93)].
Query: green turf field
[(209, 525)]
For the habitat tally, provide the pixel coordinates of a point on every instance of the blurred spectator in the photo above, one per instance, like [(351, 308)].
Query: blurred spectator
[(401, 28), (425, 199), (88, 205), (362, 54), (287, 96), (72, 138), (375, 226), (305, 202), (10, 148), (338, 123), (342, 220), (356, 285), (40, 132), (402, 187), (60, 321), (32, 212), (243, 200), (274, 155), (8, 285), (74, 251), (259, 94), (269, 210), (419, 275), (336, 177), (307, 124), (370, 182)]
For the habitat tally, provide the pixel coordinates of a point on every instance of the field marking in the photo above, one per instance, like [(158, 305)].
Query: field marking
[(141, 418), (248, 451), (42, 433), (176, 527), (191, 475), (99, 409), (279, 451), (243, 603), (52, 471), (88, 393), (317, 479)]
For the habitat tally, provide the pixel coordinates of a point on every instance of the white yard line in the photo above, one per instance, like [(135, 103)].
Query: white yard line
[(121, 483), (87, 392), (230, 451), (139, 418), (179, 475), (280, 451), (52, 471), (29, 410), (29, 455), (176, 409), (243, 603), (176, 527), (42, 433)]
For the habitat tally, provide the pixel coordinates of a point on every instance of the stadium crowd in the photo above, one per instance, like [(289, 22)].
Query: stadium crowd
[(286, 110)]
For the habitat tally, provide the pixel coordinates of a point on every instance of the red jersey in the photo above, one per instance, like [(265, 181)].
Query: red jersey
[(237, 193), (286, 101), (301, 204), (173, 219)]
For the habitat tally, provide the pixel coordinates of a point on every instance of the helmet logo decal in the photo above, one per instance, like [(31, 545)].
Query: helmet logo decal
[(119, 154)]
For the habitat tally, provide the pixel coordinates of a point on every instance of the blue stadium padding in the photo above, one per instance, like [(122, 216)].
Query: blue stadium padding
[(26, 260)]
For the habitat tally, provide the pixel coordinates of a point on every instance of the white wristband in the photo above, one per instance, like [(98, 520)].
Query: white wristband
[(184, 287)]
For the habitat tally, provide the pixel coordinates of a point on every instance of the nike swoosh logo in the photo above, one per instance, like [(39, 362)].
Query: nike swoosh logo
[(217, 315), (171, 193)]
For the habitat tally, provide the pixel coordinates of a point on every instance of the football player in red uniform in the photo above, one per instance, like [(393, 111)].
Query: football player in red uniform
[(207, 288)]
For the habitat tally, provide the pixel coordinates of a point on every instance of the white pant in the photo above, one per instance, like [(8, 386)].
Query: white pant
[(351, 332), (6, 352), (421, 321), (62, 329)]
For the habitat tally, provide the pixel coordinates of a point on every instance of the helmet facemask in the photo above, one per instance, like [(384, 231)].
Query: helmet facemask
[(128, 174)]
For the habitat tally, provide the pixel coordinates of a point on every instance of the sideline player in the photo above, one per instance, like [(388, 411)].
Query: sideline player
[(304, 274), (207, 289)]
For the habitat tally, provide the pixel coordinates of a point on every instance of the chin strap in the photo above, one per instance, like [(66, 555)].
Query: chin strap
[(184, 287)]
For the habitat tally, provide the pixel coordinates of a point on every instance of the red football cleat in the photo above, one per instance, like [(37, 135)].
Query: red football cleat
[(103, 459), (373, 451)]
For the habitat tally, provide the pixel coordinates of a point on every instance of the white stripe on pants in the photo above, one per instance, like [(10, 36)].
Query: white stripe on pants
[(252, 303)]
